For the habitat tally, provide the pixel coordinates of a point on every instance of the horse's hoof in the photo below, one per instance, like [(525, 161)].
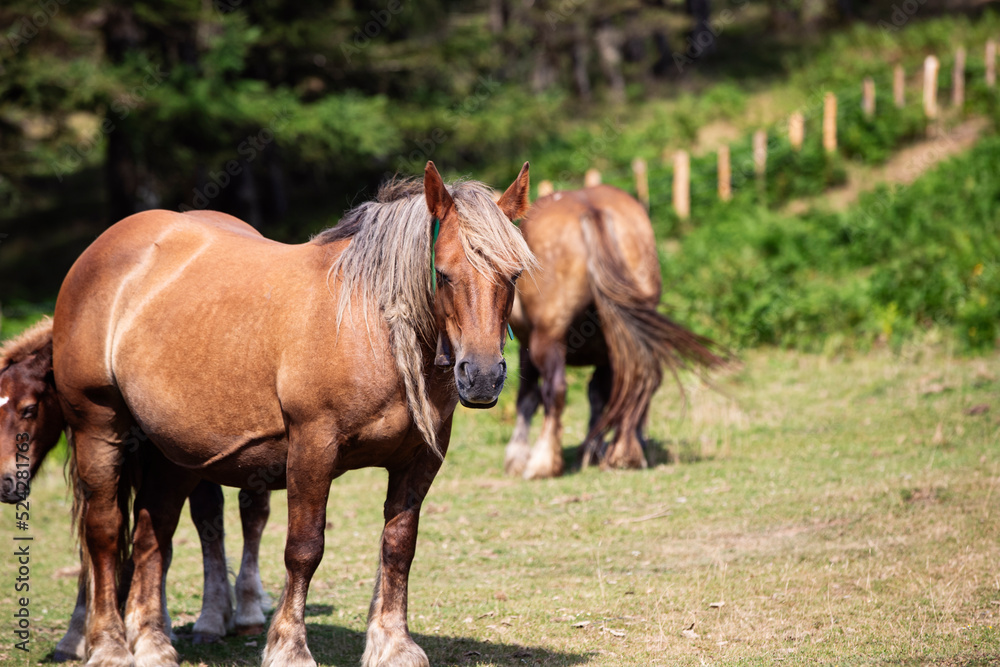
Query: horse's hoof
[(516, 458), (245, 630), (538, 468), (154, 649), (392, 650), (205, 638), (65, 656), (514, 467), (110, 655), (287, 656), (633, 460)]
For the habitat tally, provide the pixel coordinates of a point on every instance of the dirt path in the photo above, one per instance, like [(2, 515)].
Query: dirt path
[(903, 168)]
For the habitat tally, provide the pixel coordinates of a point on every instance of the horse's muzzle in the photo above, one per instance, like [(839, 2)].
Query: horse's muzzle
[(9, 491), (479, 384)]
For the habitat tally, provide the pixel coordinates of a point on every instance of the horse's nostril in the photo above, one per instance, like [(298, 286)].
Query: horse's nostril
[(463, 371), (8, 483)]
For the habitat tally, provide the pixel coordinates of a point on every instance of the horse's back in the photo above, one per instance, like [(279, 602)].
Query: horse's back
[(632, 233), (153, 273)]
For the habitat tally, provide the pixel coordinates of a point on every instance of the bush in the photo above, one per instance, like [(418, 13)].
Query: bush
[(925, 255)]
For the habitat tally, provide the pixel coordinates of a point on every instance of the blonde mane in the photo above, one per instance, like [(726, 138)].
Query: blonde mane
[(388, 263), (33, 339)]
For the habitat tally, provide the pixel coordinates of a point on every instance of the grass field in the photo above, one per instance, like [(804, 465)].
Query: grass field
[(842, 512)]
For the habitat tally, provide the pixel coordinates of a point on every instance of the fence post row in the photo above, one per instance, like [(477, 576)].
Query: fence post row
[(796, 131)]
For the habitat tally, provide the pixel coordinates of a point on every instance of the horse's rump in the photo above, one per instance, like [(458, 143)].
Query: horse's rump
[(640, 340)]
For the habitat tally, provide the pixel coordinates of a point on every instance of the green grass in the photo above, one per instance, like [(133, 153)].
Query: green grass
[(844, 510)]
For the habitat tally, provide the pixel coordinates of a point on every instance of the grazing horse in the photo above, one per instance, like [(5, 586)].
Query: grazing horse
[(246, 360), (593, 302), (31, 421)]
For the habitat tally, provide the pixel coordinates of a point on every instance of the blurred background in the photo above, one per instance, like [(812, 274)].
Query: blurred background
[(285, 114)]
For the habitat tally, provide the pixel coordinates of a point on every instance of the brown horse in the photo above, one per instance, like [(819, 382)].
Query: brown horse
[(31, 421), (244, 359), (593, 302)]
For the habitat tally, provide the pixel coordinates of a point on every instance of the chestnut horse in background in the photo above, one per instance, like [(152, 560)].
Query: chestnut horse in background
[(593, 302), (237, 354), (31, 421)]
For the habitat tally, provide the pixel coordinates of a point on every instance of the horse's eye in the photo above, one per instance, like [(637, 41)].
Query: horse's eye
[(30, 411), (515, 277), (442, 278)]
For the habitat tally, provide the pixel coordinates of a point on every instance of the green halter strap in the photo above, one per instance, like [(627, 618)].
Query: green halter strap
[(434, 239)]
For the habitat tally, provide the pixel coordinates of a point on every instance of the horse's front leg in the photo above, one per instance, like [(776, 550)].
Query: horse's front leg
[(548, 353), (158, 506), (311, 462), (528, 396), (388, 643), (99, 463)]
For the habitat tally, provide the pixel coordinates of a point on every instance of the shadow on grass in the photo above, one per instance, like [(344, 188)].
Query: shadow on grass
[(342, 647), (658, 453)]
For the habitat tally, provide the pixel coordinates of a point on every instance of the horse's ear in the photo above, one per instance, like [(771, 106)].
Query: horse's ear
[(439, 201), (514, 202), (39, 364)]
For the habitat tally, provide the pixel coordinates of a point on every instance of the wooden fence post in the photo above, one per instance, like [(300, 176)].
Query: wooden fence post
[(545, 189), (725, 175), (641, 181), (868, 97), (830, 122), (682, 184), (930, 86), (958, 79), (796, 130), (760, 153), (991, 63), (899, 86), (592, 178)]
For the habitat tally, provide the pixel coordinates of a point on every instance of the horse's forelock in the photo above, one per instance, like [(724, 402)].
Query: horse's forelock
[(493, 245), (26, 344)]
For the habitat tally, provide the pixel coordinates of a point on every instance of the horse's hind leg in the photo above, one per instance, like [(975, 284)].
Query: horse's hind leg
[(388, 642), (626, 451), (549, 356), (158, 506), (251, 600), (216, 601), (528, 396), (598, 391)]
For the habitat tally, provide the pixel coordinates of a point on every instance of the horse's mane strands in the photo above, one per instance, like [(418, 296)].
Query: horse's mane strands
[(27, 343), (388, 264)]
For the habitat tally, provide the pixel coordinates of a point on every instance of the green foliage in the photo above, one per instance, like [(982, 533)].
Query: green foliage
[(899, 261)]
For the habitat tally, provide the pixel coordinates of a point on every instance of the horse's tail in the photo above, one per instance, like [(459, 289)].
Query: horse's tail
[(128, 481), (641, 342)]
